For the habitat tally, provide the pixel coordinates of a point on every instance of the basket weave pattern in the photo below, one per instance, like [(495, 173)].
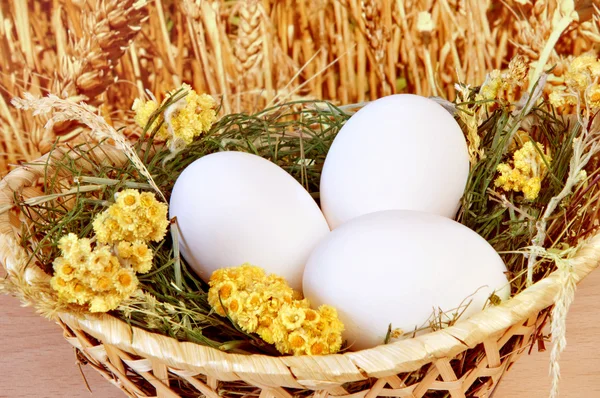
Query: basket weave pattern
[(119, 365), (467, 359)]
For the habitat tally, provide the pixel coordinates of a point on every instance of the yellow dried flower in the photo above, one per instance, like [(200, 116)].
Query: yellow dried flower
[(268, 306), (91, 277), (141, 257), (137, 253), (226, 290), (74, 249), (580, 83), (517, 71), (147, 200), (68, 244), (99, 259), (492, 85), (124, 249), (266, 333), (499, 85), (128, 200), (79, 292), (79, 258), (102, 284), (58, 283), (125, 281), (594, 96), (185, 120), (143, 110), (291, 317), (296, 341), (64, 269), (112, 266), (250, 319), (254, 303), (558, 98), (311, 316), (133, 217), (526, 172), (582, 70), (72, 291)]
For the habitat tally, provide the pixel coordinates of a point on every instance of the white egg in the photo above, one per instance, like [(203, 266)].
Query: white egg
[(234, 207), (397, 266), (398, 152)]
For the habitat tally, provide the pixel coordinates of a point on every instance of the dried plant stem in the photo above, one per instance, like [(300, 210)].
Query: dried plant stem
[(11, 134), (564, 299), (23, 25), (562, 24), (412, 59), (430, 73), (66, 110), (209, 18), (501, 198), (136, 70), (584, 148), (199, 44), (167, 43)]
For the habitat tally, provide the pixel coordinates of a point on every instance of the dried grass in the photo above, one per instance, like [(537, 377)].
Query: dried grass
[(254, 53), (71, 49), (89, 53)]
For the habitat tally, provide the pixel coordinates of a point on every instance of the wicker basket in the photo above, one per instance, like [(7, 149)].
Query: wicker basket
[(144, 364)]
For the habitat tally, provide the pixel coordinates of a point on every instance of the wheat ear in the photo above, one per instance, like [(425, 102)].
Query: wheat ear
[(107, 30), (63, 110)]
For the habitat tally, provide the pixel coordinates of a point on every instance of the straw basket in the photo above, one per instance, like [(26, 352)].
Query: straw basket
[(256, 53), (467, 359)]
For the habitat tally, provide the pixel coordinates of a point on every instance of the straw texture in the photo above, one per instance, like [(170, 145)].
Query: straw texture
[(70, 49), (147, 364), (250, 54)]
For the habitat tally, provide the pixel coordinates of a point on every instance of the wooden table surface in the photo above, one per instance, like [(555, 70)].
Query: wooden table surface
[(35, 361)]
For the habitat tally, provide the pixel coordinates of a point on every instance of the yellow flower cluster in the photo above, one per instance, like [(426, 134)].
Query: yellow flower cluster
[(190, 117), (134, 217), (526, 172), (93, 277), (580, 83), (266, 305), (104, 276)]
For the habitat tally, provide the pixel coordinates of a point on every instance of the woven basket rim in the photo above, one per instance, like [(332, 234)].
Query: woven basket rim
[(309, 371)]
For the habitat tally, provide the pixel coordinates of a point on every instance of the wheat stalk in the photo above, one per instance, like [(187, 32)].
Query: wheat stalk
[(86, 53), (107, 29), (346, 50), (210, 47), (62, 110), (375, 31), (248, 47)]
